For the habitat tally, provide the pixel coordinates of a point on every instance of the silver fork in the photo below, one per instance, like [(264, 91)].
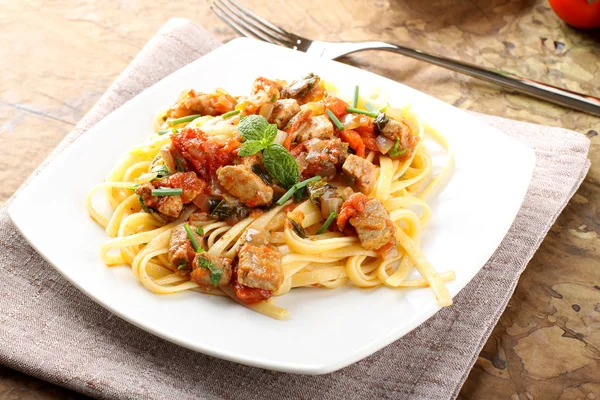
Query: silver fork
[(251, 25)]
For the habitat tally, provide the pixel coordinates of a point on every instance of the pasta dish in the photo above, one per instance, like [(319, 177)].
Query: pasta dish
[(289, 186)]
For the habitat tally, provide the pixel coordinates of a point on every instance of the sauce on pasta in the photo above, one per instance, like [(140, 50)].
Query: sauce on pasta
[(289, 186)]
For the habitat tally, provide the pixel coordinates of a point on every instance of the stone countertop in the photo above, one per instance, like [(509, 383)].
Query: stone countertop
[(58, 58)]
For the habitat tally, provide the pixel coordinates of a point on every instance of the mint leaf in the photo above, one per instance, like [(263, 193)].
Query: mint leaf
[(281, 165), (251, 147), (253, 127), (270, 134)]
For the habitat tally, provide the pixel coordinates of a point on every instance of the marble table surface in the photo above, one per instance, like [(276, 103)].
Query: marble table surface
[(57, 57)]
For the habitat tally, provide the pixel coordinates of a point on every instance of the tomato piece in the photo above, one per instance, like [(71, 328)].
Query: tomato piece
[(297, 150), (336, 105), (368, 135), (578, 13), (354, 140), (202, 151), (190, 184), (296, 120), (354, 205)]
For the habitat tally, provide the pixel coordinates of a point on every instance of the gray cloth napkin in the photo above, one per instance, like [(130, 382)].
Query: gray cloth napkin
[(52, 331)]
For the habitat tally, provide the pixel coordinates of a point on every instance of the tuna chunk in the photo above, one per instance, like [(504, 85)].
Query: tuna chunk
[(206, 267), (362, 172), (190, 184), (319, 127), (283, 111), (259, 267), (248, 161), (306, 89), (393, 130), (373, 226), (245, 185), (323, 158), (181, 252), (257, 238), (169, 206)]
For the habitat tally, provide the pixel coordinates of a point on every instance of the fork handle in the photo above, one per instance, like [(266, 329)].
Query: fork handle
[(564, 97)]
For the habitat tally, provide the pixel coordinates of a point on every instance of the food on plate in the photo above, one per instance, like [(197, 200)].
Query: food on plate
[(288, 186)]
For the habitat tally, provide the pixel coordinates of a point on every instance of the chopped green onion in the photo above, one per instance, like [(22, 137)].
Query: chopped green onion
[(394, 152), (170, 130), (167, 192), (334, 119), (355, 100), (359, 111), (184, 119), (134, 187), (190, 236), (371, 107), (273, 98), (200, 231), (328, 222), (182, 265), (231, 113), (384, 108), (297, 186)]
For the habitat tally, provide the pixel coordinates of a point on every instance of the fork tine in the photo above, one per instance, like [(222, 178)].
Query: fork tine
[(241, 20), (264, 22), (229, 21), (259, 29)]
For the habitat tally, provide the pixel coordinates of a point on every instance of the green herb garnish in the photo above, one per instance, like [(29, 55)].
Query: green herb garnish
[(355, 100), (190, 236), (231, 114), (200, 231), (296, 187), (359, 111), (273, 98), (134, 187), (281, 165), (259, 135), (215, 272), (328, 222), (161, 171), (298, 229), (255, 128), (334, 119), (184, 119), (182, 264), (144, 206), (371, 107), (167, 192), (165, 131), (221, 210), (395, 152)]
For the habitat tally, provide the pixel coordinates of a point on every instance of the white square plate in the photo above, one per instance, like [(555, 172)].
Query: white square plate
[(328, 329)]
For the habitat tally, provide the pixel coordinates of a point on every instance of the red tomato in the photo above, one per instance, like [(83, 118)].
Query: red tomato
[(337, 106), (578, 13), (354, 141)]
